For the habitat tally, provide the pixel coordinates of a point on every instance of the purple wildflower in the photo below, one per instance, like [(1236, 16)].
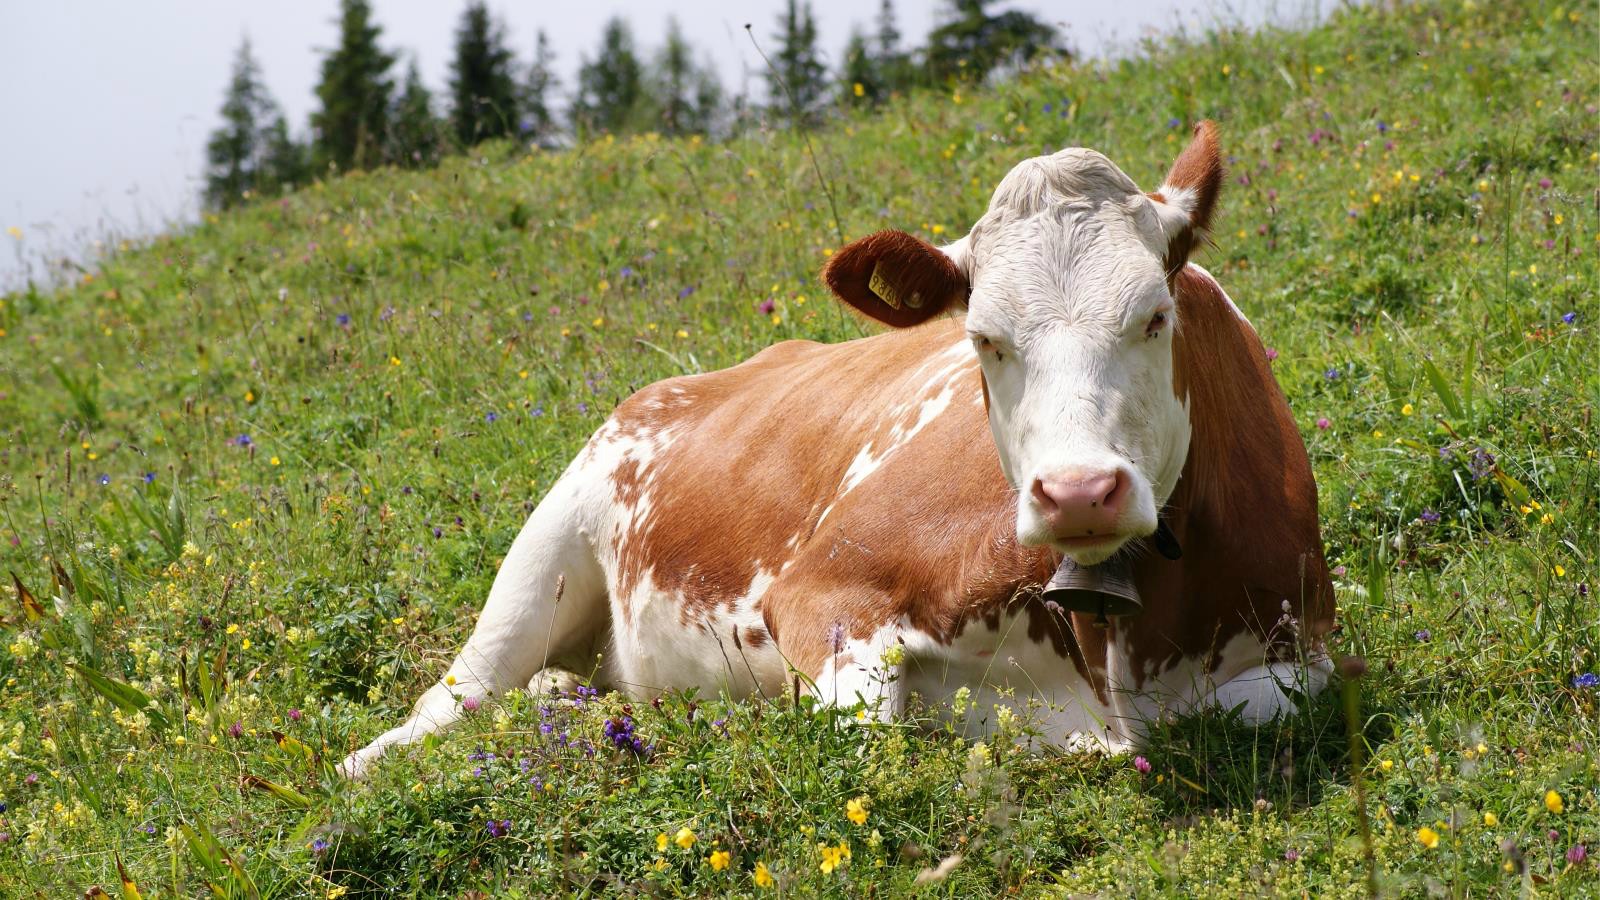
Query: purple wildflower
[(625, 272), (319, 846), (1382, 126), (1272, 354), (242, 440), (343, 319), (687, 290), (1570, 317), (1577, 853), (619, 732), (104, 479), (1331, 374), (1423, 636), (836, 637), (470, 704), (1174, 122), (149, 477), (583, 408), (1291, 855), (1586, 681), (1429, 516), (236, 730), (491, 417), (1142, 765), (1546, 183), (1481, 464), (296, 715), (498, 829), (767, 306)]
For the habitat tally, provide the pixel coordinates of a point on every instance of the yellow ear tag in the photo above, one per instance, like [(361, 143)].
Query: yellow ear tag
[(886, 292)]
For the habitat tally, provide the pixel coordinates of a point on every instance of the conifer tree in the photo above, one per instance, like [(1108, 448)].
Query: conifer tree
[(611, 89), (352, 125), (797, 64), (538, 119), (483, 85), (688, 94), (974, 42), (892, 65), (285, 162), (416, 137), (251, 152), (860, 82)]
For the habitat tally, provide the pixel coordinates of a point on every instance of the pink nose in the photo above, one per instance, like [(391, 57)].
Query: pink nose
[(1081, 502)]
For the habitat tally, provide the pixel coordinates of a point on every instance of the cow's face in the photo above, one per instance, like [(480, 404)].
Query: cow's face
[(1065, 282)]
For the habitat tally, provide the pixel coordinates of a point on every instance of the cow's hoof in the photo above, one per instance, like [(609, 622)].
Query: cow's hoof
[(553, 682)]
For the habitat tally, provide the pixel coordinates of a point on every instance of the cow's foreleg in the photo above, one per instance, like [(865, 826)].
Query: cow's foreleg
[(869, 672), (1266, 690), (548, 598)]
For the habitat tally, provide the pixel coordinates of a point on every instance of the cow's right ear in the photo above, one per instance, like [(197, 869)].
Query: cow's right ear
[(898, 279)]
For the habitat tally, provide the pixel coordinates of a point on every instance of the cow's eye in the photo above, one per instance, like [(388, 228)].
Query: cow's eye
[(1157, 322), (987, 346)]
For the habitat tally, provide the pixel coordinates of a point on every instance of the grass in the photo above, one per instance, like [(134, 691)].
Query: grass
[(262, 472)]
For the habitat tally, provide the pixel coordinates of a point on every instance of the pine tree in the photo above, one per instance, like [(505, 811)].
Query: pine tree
[(974, 43), (285, 162), (797, 65), (251, 152), (688, 94), (352, 125), (611, 90), (416, 136), (483, 85), (860, 82), (893, 65), (538, 120)]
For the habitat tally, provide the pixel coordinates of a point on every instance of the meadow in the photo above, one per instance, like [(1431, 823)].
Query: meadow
[(256, 478)]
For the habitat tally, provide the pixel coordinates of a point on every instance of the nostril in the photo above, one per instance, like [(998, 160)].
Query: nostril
[(1042, 496), (1119, 489)]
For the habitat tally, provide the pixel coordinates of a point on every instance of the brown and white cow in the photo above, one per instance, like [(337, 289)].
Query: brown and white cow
[(879, 515)]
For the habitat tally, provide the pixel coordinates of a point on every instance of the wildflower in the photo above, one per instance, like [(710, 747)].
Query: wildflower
[(719, 860), (104, 479), (1482, 464), (1586, 681), (767, 306), (1331, 374), (762, 876), (295, 715), (1272, 354), (1570, 317), (684, 838), (1323, 424), (661, 842), (1490, 819), (319, 846), (242, 440), (833, 857), (236, 730), (491, 417), (1291, 855), (470, 704), (1386, 765), (1407, 410), (498, 829), (860, 90), (149, 477), (1577, 853), (856, 810), (1427, 837), (343, 319), (1553, 802), (1423, 636), (1142, 765)]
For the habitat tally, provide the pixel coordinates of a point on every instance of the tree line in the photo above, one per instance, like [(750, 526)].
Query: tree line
[(366, 117)]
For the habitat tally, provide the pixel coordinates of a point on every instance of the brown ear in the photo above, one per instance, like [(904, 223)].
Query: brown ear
[(896, 278), (1191, 189)]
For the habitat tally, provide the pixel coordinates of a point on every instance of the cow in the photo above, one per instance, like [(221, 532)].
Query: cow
[(873, 520)]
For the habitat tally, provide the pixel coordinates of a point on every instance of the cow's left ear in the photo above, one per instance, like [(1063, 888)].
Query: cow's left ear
[(898, 279), (1188, 197)]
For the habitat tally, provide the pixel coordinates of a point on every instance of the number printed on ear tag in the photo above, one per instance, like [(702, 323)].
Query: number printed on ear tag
[(881, 286)]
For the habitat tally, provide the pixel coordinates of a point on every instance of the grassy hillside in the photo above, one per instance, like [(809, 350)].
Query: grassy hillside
[(268, 467)]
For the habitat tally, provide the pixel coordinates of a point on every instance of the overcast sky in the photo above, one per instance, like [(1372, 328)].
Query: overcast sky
[(105, 105)]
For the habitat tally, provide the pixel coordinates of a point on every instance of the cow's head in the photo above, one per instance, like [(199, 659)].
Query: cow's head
[(1066, 282)]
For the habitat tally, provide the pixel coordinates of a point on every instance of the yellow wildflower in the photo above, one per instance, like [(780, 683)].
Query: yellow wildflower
[(661, 842), (859, 90), (856, 810), (1428, 837), (1490, 819), (719, 860), (763, 875), (685, 838), (1552, 802)]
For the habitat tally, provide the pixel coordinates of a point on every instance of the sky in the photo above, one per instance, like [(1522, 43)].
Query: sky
[(105, 105)]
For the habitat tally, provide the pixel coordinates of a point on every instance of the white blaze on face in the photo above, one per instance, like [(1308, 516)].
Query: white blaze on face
[(1072, 319)]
